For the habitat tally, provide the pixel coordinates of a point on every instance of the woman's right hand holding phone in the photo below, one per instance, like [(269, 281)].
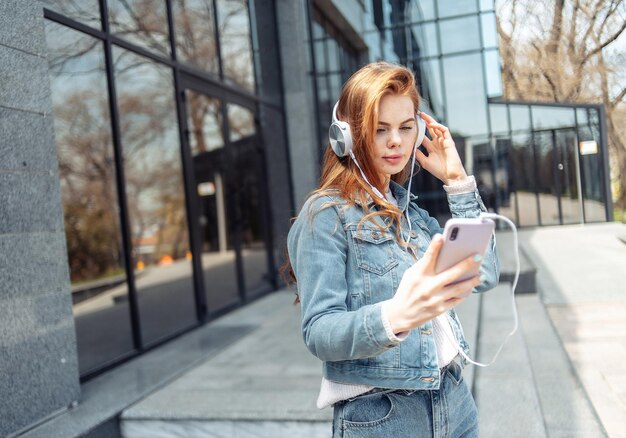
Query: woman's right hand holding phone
[(423, 294)]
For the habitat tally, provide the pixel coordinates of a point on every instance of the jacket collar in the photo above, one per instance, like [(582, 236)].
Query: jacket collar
[(398, 191)]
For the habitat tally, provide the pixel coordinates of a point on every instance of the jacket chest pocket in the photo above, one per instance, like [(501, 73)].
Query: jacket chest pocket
[(374, 250)]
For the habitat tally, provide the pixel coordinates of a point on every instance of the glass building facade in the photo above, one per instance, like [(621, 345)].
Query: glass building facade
[(161, 165), (529, 159), (171, 115)]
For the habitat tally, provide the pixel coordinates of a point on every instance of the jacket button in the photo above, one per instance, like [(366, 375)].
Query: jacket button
[(413, 234), (426, 332), (376, 235)]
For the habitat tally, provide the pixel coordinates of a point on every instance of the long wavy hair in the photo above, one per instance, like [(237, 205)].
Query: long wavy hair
[(359, 102)]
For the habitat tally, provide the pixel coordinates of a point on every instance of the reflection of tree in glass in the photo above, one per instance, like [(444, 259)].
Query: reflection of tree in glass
[(85, 153), (152, 163), (143, 22), (206, 123), (87, 175), (86, 11), (195, 33), (236, 51)]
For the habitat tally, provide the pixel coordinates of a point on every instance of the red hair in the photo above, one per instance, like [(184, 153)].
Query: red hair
[(359, 103)]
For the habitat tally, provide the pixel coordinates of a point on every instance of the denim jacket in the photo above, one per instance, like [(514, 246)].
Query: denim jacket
[(344, 273)]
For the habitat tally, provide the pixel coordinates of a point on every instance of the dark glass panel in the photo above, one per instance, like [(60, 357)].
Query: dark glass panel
[(235, 45), (523, 172), (155, 194), (504, 176), (545, 144), (459, 34), (545, 117), (482, 169), (215, 180), (566, 172), (85, 11), (465, 94), (591, 165), (195, 33), (89, 192), (249, 193), (142, 22)]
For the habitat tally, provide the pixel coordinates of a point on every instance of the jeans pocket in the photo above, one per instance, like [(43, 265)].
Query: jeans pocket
[(367, 410), (455, 372)]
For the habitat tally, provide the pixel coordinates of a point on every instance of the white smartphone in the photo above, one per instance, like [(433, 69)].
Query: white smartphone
[(463, 238)]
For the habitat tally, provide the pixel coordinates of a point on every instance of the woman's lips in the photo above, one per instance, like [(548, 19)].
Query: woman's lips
[(393, 159)]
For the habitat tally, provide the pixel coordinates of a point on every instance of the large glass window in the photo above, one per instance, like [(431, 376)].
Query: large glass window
[(428, 41), (155, 194), (215, 178), (249, 196), (194, 22), (466, 99), (459, 34), (493, 73), (89, 192), (235, 43), (488, 25), (499, 118), (142, 22), (591, 164), (523, 166), (335, 61), (85, 11), (449, 8)]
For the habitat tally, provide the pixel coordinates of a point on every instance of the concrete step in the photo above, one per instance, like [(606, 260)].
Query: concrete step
[(469, 313), (264, 385), (505, 393), (527, 282), (531, 390)]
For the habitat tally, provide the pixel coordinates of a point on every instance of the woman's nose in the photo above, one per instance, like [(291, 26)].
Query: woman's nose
[(394, 138)]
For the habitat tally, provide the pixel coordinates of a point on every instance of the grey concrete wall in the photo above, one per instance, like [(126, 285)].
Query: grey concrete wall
[(38, 362), (273, 125), (298, 97)]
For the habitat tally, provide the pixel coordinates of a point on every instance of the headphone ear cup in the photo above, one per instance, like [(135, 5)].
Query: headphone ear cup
[(421, 130), (340, 138)]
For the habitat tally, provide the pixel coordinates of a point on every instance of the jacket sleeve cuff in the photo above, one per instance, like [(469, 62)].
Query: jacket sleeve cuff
[(395, 338), (468, 185)]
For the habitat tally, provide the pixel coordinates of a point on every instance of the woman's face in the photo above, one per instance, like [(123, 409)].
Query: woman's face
[(395, 135)]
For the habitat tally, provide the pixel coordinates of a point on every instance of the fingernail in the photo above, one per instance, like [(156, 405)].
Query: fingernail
[(477, 258), (483, 277), (437, 237)]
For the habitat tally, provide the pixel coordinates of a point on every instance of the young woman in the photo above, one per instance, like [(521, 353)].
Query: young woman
[(363, 256)]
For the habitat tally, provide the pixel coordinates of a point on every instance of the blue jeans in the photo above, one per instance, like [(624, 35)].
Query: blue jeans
[(449, 411)]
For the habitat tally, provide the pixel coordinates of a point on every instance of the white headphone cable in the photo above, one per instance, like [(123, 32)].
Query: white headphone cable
[(513, 286)]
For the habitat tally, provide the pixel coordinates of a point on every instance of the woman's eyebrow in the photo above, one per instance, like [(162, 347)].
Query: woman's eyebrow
[(402, 123)]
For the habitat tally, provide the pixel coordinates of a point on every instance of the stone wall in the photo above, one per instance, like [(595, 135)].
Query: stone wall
[(38, 362)]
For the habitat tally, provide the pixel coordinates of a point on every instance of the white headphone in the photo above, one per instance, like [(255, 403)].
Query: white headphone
[(340, 137)]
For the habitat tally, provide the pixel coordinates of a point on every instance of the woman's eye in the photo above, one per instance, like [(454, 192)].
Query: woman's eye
[(406, 128), (380, 130)]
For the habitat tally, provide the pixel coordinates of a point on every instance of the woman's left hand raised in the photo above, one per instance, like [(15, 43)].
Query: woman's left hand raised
[(443, 159)]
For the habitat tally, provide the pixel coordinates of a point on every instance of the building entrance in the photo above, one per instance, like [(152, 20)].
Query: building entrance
[(226, 189)]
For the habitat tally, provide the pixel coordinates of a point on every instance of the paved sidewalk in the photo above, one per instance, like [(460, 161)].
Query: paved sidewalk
[(581, 276), (266, 383)]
